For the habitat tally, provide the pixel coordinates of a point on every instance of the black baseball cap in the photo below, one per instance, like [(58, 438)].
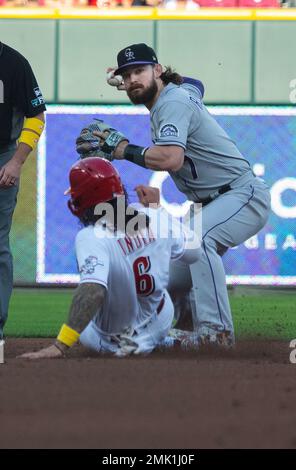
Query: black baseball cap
[(135, 54)]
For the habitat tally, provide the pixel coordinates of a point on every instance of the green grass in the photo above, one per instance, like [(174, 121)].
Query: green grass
[(40, 313), (265, 316), (37, 312)]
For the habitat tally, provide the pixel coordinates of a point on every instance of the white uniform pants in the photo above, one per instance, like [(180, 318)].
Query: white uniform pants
[(147, 337)]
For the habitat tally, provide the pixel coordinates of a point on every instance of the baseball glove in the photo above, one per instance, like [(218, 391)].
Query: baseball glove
[(102, 143)]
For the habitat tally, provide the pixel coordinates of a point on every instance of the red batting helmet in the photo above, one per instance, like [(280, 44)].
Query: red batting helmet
[(92, 180)]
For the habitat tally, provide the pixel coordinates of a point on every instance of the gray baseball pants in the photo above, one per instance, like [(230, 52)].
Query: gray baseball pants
[(8, 198), (227, 221)]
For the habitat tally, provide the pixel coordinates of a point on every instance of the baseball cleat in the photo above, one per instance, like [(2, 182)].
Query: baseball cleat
[(186, 339), (211, 337)]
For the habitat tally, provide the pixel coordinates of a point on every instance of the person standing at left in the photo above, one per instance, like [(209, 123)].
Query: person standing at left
[(21, 124)]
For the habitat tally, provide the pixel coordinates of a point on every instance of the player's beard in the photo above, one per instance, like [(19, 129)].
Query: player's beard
[(143, 95)]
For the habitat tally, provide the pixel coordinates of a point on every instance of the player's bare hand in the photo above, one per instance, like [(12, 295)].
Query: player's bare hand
[(114, 80), (99, 139), (148, 195), (10, 173), (119, 149), (51, 352), (102, 135)]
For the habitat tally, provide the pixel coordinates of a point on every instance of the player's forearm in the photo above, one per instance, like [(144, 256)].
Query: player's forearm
[(164, 158), (21, 154), (157, 157), (24, 149), (88, 298)]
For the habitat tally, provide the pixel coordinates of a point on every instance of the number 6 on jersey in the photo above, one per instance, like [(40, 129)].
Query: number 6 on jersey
[(145, 283)]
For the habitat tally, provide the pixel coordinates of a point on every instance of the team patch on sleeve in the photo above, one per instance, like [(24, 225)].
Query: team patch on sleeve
[(169, 130), (39, 100), (90, 264), (37, 92)]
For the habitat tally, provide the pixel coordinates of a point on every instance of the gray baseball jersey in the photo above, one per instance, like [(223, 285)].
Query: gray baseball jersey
[(212, 159)]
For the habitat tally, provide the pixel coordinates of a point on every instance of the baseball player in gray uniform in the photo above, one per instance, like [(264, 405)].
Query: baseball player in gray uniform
[(205, 164)]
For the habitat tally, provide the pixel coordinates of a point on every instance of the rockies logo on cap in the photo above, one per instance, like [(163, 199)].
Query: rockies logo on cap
[(129, 54), (136, 54)]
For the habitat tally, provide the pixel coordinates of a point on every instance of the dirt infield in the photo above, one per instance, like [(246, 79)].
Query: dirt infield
[(240, 399)]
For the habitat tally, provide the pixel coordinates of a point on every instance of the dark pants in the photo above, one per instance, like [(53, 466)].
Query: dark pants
[(8, 199)]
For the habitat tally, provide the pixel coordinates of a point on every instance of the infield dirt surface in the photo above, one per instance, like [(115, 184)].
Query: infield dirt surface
[(176, 399)]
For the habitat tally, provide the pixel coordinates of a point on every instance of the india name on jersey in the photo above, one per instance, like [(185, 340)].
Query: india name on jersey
[(212, 159), (134, 270)]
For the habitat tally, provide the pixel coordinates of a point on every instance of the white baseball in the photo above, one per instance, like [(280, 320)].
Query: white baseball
[(114, 80)]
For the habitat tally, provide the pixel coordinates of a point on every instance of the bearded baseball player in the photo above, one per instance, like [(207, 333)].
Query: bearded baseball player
[(121, 305), (205, 165)]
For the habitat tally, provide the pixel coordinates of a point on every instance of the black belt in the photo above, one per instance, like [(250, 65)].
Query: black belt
[(224, 189)]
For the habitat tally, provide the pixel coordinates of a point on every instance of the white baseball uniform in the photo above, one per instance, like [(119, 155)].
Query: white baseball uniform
[(135, 272)]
